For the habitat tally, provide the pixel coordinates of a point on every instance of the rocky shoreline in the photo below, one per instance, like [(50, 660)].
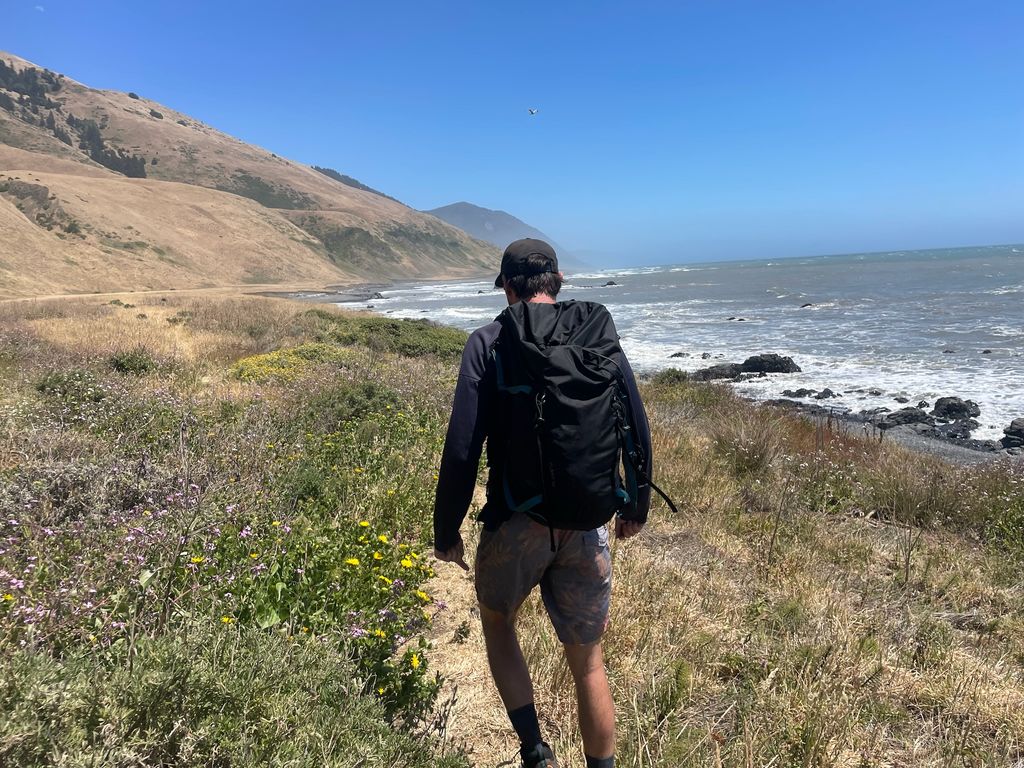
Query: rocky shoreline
[(943, 427)]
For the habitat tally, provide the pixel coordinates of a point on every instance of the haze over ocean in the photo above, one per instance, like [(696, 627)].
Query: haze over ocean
[(913, 325)]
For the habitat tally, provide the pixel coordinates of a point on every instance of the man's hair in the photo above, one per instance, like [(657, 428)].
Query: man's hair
[(525, 287)]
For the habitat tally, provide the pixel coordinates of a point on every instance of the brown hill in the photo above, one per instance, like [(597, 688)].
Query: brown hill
[(104, 191)]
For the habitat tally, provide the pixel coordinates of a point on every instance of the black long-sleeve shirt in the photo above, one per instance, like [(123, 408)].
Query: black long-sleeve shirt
[(471, 421)]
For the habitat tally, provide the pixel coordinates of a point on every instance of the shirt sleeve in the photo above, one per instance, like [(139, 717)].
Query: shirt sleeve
[(642, 435), (463, 444)]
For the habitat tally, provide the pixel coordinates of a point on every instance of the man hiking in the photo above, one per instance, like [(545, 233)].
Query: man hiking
[(548, 388)]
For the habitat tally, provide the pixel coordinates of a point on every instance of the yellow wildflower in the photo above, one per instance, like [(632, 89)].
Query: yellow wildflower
[(386, 580), (353, 561), (357, 470), (414, 661), (380, 633), (254, 555), (198, 559), (406, 562), (378, 556), (414, 556), (391, 491), (276, 523), (226, 620), (383, 539), (422, 595), (364, 523), (147, 512), (381, 690), (8, 596)]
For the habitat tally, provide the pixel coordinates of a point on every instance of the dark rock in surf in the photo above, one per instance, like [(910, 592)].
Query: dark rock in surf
[(955, 409), (903, 400), (922, 404), (825, 394), (705, 355), (377, 295), (679, 354), (721, 371), (805, 306), (958, 430), (802, 392), (769, 363), (610, 282), (873, 413), (905, 416), (1014, 434)]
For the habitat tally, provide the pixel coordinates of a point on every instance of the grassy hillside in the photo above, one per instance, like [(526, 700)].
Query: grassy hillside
[(216, 517), (152, 154)]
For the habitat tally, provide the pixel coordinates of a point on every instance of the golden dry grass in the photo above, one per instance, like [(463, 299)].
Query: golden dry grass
[(749, 632)]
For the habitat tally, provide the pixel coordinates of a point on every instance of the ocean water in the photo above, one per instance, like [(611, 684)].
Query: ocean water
[(915, 324)]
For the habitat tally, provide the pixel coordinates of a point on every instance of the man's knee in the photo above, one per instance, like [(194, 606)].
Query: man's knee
[(584, 660), (496, 620)]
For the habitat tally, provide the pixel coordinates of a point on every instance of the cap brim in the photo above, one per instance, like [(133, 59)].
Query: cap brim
[(499, 281)]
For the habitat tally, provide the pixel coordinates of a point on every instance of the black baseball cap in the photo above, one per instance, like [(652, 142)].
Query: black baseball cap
[(516, 259)]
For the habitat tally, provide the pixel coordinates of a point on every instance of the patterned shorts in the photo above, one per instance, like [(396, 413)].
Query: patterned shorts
[(575, 580)]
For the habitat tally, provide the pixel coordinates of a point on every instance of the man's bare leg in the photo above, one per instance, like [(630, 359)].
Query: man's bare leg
[(508, 667), (596, 709)]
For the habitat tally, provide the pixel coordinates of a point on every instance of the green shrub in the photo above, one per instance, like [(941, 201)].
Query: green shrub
[(210, 694), (136, 361), (410, 338), (286, 364), (670, 377), (328, 409)]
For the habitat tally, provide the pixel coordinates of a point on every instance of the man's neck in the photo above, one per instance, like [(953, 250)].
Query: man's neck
[(541, 298)]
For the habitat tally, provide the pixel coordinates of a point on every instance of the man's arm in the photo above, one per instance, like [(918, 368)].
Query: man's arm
[(460, 459)]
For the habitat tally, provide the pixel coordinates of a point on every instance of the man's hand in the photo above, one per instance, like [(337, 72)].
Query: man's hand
[(454, 554), (626, 528)]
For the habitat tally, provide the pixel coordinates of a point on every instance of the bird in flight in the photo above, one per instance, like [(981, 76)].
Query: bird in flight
[(532, 111)]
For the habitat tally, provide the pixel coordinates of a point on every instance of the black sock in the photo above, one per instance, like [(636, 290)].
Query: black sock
[(600, 762), (524, 720)]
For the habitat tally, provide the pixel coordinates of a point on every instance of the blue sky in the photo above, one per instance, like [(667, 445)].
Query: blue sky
[(666, 131)]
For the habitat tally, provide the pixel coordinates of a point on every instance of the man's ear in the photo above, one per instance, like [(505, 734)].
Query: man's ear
[(510, 295)]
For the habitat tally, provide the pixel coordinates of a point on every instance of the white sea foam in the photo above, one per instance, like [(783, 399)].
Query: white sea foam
[(883, 328)]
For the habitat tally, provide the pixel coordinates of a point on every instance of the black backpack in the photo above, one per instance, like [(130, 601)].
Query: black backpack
[(565, 416)]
